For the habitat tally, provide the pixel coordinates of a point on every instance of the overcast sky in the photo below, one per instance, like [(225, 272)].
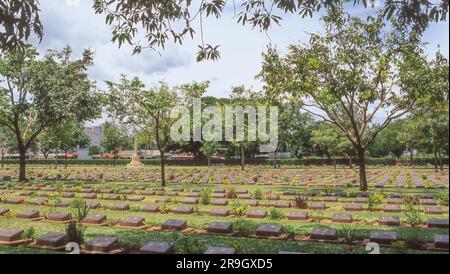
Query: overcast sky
[(73, 22)]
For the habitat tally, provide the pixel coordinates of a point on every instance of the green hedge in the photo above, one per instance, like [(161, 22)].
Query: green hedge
[(293, 162)]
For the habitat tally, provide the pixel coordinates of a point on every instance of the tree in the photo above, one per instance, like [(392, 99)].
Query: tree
[(330, 139), (18, 19), (351, 74), (434, 126), (388, 141), (65, 137), (242, 97), (162, 21), (43, 93), (147, 109), (115, 137), (94, 150), (208, 149), (294, 127)]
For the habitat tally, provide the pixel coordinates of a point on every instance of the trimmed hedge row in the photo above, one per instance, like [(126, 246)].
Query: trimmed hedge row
[(293, 162)]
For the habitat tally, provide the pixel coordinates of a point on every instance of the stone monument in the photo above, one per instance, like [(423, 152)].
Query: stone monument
[(135, 160)]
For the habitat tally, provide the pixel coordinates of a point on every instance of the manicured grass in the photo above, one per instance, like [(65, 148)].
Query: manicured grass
[(364, 222), (193, 243)]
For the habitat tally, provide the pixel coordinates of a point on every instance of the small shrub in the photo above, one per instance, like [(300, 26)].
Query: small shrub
[(329, 189), (413, 215), (80, 209), (231, 194), (442, 198), (257, 194), (205, 196), (238, 209), (244, 226), (165, 207), (187, 244), (29, 233), (414, 200), (399, 247), (300, 202), (374, 200), (414, 240), (275, 214), (75, 233), (350, 233)]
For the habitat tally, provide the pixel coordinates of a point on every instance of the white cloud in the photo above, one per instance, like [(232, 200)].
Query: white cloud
[(74, 23)]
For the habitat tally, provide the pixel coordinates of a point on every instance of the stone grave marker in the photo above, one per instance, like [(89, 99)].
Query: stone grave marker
[(190, 201), (433, 210), (120, 207), (437, 223), (4, 211), (269, 230), (392, 208), (353, 207), (95, 219), (342, 218), (28, 214), (102, 244), (257, 213), (93, 205), (283, 204), (383, 237), (317, 206), (112, 197), (89, 196), (52, 239), (157, 248), (221, 202), (184, 210), (59, 217), (220, 250), (15, 200), (221, 212), (441, 241), (10, 235), (323, 233), (389, 220), (132, 221), (297, 215), (173, 224), (150, 208), (220, 227)]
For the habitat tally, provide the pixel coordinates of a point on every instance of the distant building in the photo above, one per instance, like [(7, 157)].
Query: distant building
[(95, 136)]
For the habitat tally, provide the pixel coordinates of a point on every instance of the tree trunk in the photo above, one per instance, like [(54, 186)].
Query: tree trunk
[(242, 158), (275, 154), (163, 172), (411, 157), (23, 164), (3, 159), (435, 160), (56, 159), (362, 169), (334, 164), (441, 163), (65, 160), (209, 161), (350, 162)]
